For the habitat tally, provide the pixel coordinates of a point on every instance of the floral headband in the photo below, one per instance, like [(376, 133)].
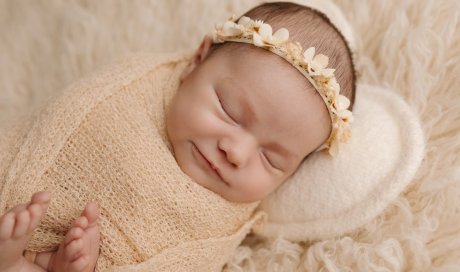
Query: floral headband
[(312, 67)]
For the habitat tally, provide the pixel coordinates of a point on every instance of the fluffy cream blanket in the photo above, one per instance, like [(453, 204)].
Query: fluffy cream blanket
[(104, 139), (410, 46)]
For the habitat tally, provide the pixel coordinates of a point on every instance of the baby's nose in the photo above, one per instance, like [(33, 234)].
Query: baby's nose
[(238, 149)]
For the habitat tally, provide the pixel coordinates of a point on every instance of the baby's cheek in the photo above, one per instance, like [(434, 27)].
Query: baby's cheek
[(257, 186), (189, 118), (207, 123)]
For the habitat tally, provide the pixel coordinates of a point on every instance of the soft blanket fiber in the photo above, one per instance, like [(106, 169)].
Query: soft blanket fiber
[(104, 139)]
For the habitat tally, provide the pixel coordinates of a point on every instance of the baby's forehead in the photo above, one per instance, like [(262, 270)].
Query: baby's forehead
[(270, 79), (261, 67)]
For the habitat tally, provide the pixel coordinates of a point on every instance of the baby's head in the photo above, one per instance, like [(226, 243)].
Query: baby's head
[(244, 118)]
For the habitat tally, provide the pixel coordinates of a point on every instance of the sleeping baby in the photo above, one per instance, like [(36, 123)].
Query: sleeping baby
[(169, 155)]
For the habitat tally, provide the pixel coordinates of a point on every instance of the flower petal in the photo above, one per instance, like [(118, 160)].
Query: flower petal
[(346, 116), (244, 21), (333, 85), (344, 103), (334, 149), (231, 29), (257, 39), (321, 60), (328, 72), (281, 35), (308, 54), (265, 31)]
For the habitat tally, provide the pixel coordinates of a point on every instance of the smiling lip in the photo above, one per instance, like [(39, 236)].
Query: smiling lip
[(209, 164)]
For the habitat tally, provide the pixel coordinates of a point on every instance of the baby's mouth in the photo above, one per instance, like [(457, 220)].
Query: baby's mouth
[(210, 164)]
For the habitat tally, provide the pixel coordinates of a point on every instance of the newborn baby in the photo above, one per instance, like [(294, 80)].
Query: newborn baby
[(241, 119)]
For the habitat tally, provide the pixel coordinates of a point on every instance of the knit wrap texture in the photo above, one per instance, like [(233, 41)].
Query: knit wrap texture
[(104, 138)]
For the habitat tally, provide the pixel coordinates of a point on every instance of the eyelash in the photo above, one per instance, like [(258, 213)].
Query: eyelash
[(223, 108), (269, 162)]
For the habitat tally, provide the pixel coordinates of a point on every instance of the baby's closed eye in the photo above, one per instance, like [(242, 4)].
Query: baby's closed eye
[(225, 110), (270, 161)]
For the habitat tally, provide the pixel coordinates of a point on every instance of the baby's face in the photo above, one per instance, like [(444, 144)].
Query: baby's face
[(241, 124)]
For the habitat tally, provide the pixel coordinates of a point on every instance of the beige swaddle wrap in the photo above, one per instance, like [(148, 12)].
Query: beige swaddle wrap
[(104, 139)]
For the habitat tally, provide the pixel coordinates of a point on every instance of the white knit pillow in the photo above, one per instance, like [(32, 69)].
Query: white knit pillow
[(331, 196)]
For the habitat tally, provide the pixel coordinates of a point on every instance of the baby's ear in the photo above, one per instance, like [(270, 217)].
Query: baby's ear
[(198, 57)]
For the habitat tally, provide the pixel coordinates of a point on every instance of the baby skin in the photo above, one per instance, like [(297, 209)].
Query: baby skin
[(77, 252)]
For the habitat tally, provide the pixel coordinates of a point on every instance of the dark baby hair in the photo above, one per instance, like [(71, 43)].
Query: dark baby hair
[(310, 28)]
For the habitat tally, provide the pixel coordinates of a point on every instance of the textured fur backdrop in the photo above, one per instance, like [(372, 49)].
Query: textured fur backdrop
[(411, 46)]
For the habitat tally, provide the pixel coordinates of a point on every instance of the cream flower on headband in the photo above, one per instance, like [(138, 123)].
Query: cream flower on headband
[(264, 37), (230, 29), (316, 65), (262, 33), (313, 67)]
